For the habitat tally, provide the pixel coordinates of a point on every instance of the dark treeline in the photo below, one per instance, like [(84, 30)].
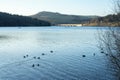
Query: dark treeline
[(109, 20), (7, 19)]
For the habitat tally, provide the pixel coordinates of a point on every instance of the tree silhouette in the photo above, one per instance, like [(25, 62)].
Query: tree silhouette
[(109, 43)]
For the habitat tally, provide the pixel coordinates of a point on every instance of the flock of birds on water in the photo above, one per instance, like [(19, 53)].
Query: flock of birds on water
[(33, 65), (43, 54)]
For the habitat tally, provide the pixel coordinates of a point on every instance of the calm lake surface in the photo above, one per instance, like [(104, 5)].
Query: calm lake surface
[(60, 49)]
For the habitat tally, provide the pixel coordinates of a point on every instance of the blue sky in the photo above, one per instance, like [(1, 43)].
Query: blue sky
[(77, 7)]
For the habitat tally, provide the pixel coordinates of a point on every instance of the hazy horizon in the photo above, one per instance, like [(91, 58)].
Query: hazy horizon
[(71, 7), (49, 11)]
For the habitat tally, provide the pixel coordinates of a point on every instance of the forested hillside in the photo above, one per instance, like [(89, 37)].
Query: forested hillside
[(109, 20), (16, 20)]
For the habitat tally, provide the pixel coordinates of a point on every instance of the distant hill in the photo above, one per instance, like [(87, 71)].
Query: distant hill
[(57, 18), (7, 19)]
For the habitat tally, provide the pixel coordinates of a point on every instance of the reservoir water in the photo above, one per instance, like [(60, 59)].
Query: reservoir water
[(52, 53)]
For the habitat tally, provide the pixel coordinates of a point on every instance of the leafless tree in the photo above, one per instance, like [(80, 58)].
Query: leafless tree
[(109, 42), (116, 8)]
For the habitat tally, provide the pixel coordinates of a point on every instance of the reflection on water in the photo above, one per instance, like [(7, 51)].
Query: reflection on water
[(51, 53), (4, 37)]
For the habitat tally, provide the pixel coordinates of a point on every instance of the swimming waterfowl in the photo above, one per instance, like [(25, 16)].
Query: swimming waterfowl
[(34, 57), (33, 65), (24, 56), (38, 64), (43, 53), (38, 58), (83, 55), (106, 54), (51, 51), (102, 51)]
